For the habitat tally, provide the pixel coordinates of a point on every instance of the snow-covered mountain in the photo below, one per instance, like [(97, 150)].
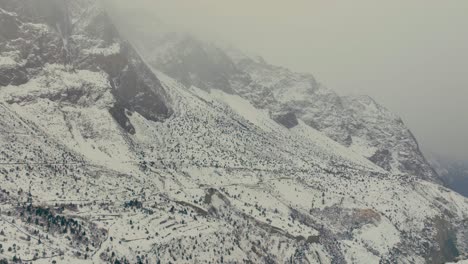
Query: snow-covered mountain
[(110, 158), (357, 122)]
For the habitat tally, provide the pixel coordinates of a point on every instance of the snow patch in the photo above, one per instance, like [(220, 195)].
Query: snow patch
[(7, 63), (107, 51), (328, 144), (362, 147), (381, 237), (243, 107), (356, 253)]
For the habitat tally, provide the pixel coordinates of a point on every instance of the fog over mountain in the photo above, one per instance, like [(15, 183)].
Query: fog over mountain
[(412, 56)]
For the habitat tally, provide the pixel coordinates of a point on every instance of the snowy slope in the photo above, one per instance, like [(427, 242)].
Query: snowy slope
[(105, 159), (357, 122)]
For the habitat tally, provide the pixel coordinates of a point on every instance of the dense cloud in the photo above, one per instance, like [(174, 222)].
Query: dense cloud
[(412, 56)]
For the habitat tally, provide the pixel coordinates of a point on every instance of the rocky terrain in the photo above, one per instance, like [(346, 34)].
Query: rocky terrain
[(119, 148)]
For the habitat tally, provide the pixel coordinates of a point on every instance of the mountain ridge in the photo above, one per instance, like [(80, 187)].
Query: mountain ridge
[(288, 96)]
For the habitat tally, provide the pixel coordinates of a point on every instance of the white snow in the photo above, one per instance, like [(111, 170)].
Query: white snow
[(382, 237), (357, 254), (245, 109), (362, 147), (327, 144), (7, 63), (106, 51)]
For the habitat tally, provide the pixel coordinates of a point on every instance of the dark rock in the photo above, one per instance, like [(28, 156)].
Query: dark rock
[(288, 119), (118, 112), (382, 158)]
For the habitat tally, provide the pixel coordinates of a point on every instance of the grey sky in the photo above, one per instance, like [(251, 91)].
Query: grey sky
[(412, 56)]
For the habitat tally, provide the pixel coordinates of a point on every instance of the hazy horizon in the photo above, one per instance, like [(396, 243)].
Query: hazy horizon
[(412, 57)]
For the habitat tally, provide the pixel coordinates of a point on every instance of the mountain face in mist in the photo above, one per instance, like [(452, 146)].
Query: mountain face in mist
[(453, 172), (357, 122), (183, 152), (457, 177)]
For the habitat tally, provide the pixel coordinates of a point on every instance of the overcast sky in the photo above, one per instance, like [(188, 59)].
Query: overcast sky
[(410, 55)]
